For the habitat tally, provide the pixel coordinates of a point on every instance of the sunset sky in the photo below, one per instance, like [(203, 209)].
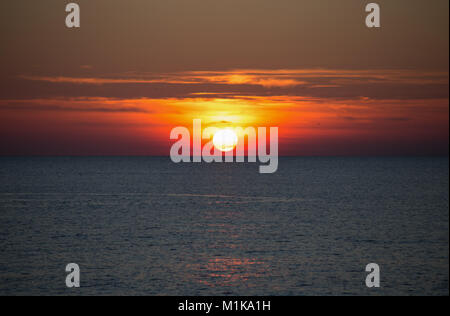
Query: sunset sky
[(138, 68)]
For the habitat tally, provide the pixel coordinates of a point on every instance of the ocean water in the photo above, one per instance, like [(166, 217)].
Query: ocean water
[(146, 226)]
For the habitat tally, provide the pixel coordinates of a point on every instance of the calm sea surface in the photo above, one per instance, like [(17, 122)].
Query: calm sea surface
[(146, 226)]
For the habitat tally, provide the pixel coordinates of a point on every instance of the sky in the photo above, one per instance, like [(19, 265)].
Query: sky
[(138, 68)]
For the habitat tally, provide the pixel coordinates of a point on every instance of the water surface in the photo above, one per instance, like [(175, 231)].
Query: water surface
[(146, 226)]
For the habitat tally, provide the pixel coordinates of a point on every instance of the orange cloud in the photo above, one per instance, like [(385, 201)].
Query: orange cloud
[(264, 78), (333, 112)]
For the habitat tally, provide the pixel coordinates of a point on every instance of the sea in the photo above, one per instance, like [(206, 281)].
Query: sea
[(148, 226)]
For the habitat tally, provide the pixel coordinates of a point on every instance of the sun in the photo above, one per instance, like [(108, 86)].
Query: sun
[(225, 140)]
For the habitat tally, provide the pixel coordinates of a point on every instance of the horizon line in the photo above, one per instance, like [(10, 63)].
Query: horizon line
[(280, 156)]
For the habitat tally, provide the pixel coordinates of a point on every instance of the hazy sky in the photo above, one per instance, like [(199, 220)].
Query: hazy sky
[(137, 68)]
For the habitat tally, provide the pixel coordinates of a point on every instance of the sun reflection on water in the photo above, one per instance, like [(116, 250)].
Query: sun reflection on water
[(221, 272)]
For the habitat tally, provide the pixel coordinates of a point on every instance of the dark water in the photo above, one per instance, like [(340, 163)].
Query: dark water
[(145, 226)]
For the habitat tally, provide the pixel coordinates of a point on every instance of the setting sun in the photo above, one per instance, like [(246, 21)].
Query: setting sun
[(225, 140)]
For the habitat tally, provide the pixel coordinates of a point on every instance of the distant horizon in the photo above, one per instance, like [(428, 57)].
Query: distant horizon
[(281, 156)]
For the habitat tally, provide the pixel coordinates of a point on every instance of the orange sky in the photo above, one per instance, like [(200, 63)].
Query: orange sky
[(318, 112), (92, 92)]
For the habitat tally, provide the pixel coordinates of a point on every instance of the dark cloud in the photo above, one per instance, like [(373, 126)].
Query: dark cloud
[(57, 108), (326, 84)]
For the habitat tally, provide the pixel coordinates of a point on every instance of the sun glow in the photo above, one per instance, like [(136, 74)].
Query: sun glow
[(225, 140)]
